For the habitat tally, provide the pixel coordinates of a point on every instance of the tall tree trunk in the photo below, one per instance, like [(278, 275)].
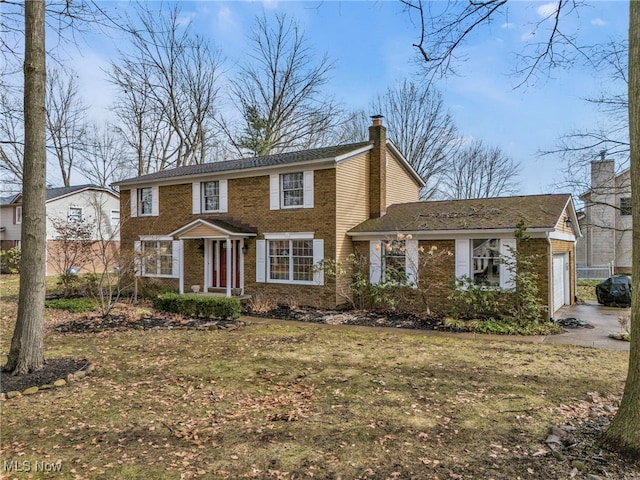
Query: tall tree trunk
[(623, 434), (27, 346)]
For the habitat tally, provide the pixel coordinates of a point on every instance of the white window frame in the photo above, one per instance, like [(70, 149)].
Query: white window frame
[(283, 191), (141, 261), (19, 215), (140, 195), (198, 200), (263, 260), (203, 187), (74, 218), (378, 255), (276, 191), (111, 218), (464, 260)]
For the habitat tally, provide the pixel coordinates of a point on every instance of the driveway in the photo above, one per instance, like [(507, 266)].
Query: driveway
[(603, 319)]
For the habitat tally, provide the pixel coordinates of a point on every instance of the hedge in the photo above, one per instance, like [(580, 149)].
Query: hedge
[(198, 305)]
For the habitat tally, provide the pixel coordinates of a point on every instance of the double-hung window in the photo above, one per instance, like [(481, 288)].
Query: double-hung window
[(291, 190), (145, 200), (394, 261), (75, 215), (211, 196), (17, 215)]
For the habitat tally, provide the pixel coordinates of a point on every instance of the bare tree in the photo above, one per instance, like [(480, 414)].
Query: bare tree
[(279, 92), (554, 50), (27, 344), (66, 121), (480, 172), (168, 91), (103, 160), (11, 139), (421, 128)]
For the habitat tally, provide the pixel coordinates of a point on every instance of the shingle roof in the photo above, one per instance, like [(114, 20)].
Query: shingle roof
[(7, 200), (247, 163), (55, 192), (537, 211)]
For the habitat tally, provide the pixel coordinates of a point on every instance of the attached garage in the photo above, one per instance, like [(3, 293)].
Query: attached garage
[(561, 295)]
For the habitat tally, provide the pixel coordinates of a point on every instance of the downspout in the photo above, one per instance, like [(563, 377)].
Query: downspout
[(550, 278)]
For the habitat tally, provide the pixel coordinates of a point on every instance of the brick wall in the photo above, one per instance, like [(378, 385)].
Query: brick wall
[(248, 200), (436, 274)]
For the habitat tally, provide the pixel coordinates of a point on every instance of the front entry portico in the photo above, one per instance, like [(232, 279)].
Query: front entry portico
[(223, 245)]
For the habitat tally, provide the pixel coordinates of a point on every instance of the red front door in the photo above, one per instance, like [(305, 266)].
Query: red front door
[(220, 262)]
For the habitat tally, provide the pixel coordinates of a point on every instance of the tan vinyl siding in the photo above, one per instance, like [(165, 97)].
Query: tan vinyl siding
[(401, 187), (562, 226), (352, 208), (203, 231)]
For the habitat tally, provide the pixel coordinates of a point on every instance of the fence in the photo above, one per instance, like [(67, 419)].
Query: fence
[(594, 273)]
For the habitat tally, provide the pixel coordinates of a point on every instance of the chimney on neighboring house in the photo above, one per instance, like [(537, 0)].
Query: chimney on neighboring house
[(377, 168), (601, 220)]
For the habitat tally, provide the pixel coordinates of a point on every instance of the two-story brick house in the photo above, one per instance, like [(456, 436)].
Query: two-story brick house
[(260, 225)]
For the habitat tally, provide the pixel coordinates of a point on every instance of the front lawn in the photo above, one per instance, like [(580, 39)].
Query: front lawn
[(301, 400)]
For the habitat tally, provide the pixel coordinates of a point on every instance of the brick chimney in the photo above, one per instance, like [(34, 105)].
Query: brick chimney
[(377, 168)]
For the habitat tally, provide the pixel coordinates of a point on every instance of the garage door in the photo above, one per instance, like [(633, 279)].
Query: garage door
[(559, 281)]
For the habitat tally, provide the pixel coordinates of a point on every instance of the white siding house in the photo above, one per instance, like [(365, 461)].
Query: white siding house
[(82, 203), (606, 220)]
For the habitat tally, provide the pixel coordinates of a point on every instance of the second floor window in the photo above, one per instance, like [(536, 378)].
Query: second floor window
[(75, 215), (625, 206), (292, 189), (211, 196), (115, 218), (145, 200), (17, 215)]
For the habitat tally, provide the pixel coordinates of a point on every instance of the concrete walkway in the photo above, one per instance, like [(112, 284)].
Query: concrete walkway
[(603, 319)]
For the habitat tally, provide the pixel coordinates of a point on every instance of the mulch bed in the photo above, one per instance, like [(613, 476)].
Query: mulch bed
[(92, 324), (54, 369), (354, 317)]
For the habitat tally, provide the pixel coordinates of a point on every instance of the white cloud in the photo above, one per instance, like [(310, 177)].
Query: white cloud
[(508, 26), (547, 9), (598, 22), (270, 4), (225, 17)]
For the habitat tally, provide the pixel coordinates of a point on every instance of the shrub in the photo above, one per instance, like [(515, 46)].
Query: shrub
[(10, 261), (198, 305), (73, 305)]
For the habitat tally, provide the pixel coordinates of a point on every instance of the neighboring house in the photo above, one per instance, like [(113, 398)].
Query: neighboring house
[(77, 204), (258, 226), (479, 235), (606, 221)]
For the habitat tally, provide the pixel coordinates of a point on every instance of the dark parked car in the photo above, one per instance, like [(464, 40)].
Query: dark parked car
[(615, 291)]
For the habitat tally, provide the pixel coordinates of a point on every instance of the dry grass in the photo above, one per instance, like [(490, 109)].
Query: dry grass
[(301, 400)]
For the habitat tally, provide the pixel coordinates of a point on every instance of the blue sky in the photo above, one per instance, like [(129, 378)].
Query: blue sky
[(371, 43)]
